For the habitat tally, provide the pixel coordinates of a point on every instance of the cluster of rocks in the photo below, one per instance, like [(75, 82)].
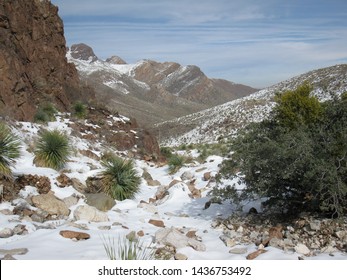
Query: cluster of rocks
[(306, 236)]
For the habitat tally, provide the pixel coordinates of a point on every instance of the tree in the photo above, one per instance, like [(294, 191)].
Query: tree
[(297, 157)]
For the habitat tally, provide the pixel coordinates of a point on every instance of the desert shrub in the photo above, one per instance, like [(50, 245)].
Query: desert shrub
[(175, 163), (166, 152), (45, 113), (9, 150), (80, 110), (52, 149), (120, 178), (297, 159), (126, 249)]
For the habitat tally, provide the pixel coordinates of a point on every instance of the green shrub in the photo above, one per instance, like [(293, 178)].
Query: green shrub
[(166, 152), (120, 178), (9, 150), (175, 163), (52, 149), (298, 163), (45, 113), (80, 110), (126, 249)]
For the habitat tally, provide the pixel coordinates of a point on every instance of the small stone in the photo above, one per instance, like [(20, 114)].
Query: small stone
[(240, 229), (315, 225), (157, 223), (255, 254), (229, 242), (238, 250), (252, 210), (180, 257), (207, 176), (20, 229), (191, 234), (302, 249), (329, 249), (342, 234), (74, 234), (6, 233), (187, 175), (140, 233), (104, 227)]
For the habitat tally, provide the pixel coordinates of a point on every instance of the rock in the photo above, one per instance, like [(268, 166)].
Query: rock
[(229, 242), (6, 212), (42, 183), (140, 233), (255, 254), (207, 176), (78, 186), (253, 210), (173, 182), (302, 249), (276, 243), (115, 60), (153, 183), (173, 237), (161, 192), (20, 230), (89, 154), (70, 201), (18, 251), (148, 207), (180, 257), (89, 213), (341, 234), (191, 234), (238, 250), (104, 227), (100, 201), (187, 175), (83, 52), (94, 184), (147, 176), (329, 249), (315, 225), (157, 223), (51, 204), (6, 233), (63, 181), (74, 234)]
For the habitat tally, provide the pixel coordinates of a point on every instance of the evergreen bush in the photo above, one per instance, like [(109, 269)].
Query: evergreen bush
[(9, 150)]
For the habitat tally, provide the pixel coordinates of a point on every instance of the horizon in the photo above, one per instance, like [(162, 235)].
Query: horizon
[(245, 42)]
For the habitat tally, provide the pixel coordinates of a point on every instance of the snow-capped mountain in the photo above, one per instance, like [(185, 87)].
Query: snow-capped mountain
[(224, 120), (152, 91)]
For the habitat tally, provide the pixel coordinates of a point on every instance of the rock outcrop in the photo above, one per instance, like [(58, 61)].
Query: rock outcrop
[(33, 64)]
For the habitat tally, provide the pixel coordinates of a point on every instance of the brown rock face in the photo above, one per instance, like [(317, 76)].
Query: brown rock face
[(33, 66), (83, 52)]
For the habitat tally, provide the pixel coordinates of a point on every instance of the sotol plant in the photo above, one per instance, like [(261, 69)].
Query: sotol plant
[(120, 178), (52, 149), (9, 150)]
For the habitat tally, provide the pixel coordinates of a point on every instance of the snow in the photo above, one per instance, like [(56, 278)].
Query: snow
[(178, 210)]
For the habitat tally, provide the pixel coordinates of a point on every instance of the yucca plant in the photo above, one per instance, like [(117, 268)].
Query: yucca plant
[(119, 178), (9, 150), (126, 249), (80, 110), (52, 149), (45, 113), (175, 163)]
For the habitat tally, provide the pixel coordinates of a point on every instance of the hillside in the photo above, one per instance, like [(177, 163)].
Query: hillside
[(151, 91), (224, 120)]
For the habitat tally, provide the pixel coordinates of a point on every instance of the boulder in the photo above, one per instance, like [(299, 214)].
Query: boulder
[(173, 237), (100, 201), (78, 185), (302, 249), (157, 223), (90, 214), (51, 204), (6, 233), (187, 175)]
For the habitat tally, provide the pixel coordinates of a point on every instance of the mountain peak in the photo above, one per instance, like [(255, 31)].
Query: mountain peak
[(83, 52), (115, 60)]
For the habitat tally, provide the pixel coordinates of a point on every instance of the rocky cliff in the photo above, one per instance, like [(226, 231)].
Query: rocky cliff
[(33, 64)]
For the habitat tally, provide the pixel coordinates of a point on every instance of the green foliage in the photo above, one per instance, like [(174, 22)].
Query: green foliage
[(166, 152), (9, 150), (120, 178), (297, 107), (299, 163), (127, 249), (175, 163), (52, 149), (45, 113), (80, 110)]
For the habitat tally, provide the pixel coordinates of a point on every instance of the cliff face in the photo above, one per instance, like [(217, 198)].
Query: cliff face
[(33, 64)]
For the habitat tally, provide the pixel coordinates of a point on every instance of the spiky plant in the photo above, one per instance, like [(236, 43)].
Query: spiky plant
[(127, 249), (52, 149), (175, 163), (80, 110), (120, 179), (9, 150), (45, 113)]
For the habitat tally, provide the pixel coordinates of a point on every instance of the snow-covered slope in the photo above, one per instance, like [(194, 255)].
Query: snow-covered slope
[(224, 120)]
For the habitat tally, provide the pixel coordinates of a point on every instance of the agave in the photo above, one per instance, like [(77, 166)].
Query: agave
[(9, 150), (52, 149)]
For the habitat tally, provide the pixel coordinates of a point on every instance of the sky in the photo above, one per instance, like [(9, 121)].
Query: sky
[(254, 42)]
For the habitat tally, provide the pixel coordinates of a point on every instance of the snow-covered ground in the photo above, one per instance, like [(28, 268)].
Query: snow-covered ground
[(179, 210)]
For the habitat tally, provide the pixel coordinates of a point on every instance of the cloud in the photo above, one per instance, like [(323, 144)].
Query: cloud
[(254, 42)]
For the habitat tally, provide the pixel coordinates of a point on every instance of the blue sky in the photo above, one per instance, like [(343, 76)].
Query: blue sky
[(254, 42)]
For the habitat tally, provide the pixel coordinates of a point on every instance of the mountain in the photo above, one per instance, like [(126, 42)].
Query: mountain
[(224, 120), (151, 91), (33, 64)]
